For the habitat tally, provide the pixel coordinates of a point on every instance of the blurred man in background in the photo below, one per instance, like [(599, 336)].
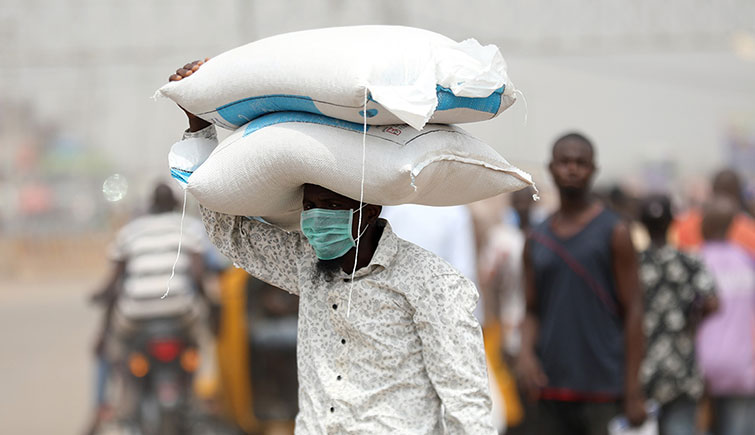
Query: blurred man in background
[(582, 340), (726, 341), (687, 230), (502, 289), (145, 260), (679, 290)]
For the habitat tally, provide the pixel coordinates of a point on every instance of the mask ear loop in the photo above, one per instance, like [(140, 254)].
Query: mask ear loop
[(361, 200), (178, 254)]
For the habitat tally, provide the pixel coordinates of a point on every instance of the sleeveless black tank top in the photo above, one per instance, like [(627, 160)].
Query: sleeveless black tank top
[(581, 339)]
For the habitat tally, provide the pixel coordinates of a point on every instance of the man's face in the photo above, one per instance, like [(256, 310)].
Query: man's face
[(320, 197), (572, 167)]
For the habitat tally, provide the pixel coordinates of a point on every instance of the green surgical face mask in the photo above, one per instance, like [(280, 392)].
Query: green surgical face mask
[(328, 231)]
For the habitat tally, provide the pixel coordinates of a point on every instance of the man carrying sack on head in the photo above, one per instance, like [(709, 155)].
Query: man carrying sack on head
[(387, 338)]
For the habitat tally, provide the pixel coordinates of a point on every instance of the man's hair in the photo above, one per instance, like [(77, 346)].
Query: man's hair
[(718, 215), (163, 199), (727, 182), (573, 136), (327, 269), (656, 214)]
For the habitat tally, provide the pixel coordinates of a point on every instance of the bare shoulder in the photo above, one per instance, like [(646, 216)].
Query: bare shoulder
[(621, 239)]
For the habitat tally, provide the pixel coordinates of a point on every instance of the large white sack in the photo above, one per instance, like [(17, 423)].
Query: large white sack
[(413, 76), (259, 170)]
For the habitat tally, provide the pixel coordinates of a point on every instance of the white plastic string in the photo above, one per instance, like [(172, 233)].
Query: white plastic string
[(526, 106), (361, 200), (180, 239)]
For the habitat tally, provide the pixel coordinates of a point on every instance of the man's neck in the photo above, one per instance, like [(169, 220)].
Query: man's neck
[(657, 241), (368, 244), (575, 205)]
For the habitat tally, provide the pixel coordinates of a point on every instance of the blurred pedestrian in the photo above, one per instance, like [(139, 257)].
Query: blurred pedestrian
[(582, 340), (686, 231), (679, 290), (726, 340), (144, 257), (502, 289), (501, 269)]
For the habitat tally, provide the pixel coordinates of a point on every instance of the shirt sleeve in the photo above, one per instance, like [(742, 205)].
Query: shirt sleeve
[(454, 355), (265, 251)]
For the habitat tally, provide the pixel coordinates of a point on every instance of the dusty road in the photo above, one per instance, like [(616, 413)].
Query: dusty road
[(46, 369)]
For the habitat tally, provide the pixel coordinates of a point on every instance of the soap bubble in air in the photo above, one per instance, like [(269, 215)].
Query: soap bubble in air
[(115, 187)]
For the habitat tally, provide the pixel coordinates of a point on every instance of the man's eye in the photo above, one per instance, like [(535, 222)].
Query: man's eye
[(334, 205)]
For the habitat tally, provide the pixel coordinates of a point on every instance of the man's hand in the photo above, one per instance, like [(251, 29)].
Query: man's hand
[(634, 409), (530, 374), (195, 123)]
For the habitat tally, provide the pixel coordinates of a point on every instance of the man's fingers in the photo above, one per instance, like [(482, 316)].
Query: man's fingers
[(187, 70)]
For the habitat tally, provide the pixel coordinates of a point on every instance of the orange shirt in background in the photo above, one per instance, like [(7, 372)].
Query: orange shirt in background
[(686, 233)]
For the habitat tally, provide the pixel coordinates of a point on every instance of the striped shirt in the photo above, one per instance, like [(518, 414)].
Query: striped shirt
[(149, 245)]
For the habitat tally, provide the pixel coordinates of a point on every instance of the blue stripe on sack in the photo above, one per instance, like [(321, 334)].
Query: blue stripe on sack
[(182, 176), (447, 100), (311, 118), (240, 112)]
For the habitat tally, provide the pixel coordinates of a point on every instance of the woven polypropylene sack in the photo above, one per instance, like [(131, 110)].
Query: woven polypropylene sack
[(412, 76), (260, 169)]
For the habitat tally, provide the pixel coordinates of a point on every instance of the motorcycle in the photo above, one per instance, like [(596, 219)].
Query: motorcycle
[(161, 364)]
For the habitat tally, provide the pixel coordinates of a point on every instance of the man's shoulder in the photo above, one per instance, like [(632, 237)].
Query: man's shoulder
[(417, 261)]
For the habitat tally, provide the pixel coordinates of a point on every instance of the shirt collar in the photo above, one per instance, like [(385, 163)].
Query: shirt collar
[(384, 254)]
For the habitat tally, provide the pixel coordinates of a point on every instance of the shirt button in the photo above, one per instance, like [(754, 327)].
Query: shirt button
[(343, 341), (332, 409), (338, 377), (335, 306)]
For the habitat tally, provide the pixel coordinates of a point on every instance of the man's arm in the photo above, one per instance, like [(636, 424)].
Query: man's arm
[(630, 295), (108, 296), (528, 368), (265, 251), (454, 354)]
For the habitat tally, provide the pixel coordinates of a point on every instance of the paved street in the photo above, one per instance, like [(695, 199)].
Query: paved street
[(46, 331)]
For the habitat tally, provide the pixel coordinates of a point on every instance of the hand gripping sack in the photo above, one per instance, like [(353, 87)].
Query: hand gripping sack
[(260, 169), (412, 76)]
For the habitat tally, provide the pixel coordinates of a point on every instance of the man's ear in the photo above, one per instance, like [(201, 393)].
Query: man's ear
[(372, 213)]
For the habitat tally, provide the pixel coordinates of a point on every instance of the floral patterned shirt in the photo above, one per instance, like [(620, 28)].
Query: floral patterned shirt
[(403, 356), (675, 285)]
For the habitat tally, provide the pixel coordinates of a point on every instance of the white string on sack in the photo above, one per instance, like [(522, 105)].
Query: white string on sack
[(178, 254), (361, 200), (526, 106)]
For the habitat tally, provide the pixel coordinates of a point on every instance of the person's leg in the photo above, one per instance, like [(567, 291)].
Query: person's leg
[(678, 417), (555, 418), (734, 415), (596, 416), (528, 425)]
